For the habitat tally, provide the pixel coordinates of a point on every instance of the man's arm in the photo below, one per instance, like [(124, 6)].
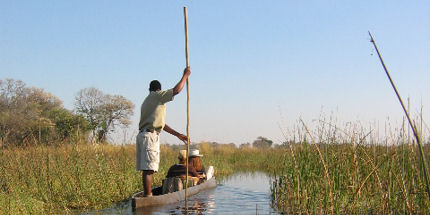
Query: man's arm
[(180, 85), (171, 131)]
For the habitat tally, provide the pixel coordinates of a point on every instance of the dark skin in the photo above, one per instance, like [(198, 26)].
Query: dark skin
[(171, 131), (180, 85), (147, 174), (176, 90), (147, 181)]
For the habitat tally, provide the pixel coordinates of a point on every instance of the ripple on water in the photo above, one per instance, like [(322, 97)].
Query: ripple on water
[(242, 193)]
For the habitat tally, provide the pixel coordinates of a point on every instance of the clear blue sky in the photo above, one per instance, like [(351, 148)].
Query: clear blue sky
[(255, 64)]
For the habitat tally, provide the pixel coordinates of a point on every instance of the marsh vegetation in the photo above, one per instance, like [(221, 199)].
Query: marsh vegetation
[(49, 165), (362, 176), (351, 170), (67, 178)]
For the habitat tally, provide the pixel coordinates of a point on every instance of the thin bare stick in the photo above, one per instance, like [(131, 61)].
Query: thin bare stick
[(414, 129), (367, 177), (188, 106)]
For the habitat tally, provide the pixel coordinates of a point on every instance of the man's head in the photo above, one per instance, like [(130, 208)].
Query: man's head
[(154, 85), (182, 156)]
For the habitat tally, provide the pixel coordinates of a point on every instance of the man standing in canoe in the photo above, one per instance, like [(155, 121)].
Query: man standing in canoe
[(152, 122)]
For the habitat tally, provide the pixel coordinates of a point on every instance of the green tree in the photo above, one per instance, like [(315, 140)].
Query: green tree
[(103, 111), (262, 142), (67, 123), (30, 115)]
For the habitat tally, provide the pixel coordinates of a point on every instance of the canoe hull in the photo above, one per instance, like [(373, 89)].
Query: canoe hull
[(169, 198)]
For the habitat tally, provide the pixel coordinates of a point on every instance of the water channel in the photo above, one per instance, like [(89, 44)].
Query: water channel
[(242, 193)]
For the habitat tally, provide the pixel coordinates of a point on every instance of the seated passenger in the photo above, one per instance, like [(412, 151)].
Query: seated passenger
[(180, 169), (196, 161)]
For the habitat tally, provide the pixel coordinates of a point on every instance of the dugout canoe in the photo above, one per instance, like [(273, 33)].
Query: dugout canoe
[(138, 201)]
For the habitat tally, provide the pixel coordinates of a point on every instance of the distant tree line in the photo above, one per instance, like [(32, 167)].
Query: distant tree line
[(29, 115), (259, 143)]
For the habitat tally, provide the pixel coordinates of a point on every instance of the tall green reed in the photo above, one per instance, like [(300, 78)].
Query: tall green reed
[(366, 177), (77, 177)]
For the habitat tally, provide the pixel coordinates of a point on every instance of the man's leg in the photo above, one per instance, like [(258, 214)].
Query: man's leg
[(147, 181)]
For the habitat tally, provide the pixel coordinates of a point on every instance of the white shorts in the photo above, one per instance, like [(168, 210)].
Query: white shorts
[(147, 151)]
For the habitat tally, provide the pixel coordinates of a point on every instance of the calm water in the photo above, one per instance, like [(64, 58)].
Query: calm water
[(243, 193)]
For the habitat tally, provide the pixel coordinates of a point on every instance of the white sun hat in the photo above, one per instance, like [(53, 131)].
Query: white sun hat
[(195, 153)]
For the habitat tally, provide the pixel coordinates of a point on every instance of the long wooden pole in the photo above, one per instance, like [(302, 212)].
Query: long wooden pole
[(188, 105), (414, 128)]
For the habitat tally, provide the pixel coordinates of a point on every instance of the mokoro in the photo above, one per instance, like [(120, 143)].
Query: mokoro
[(138, 201)]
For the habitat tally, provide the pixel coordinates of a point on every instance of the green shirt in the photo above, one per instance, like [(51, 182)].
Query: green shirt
[(153, 110)]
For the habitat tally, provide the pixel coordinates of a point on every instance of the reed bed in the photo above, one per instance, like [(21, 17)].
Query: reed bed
[(53, 180), (335, 171), (72, 178), (350, 171)]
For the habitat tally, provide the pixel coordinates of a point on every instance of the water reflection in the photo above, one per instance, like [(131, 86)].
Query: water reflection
[(196, 208), (242, 193), (202, 203)]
